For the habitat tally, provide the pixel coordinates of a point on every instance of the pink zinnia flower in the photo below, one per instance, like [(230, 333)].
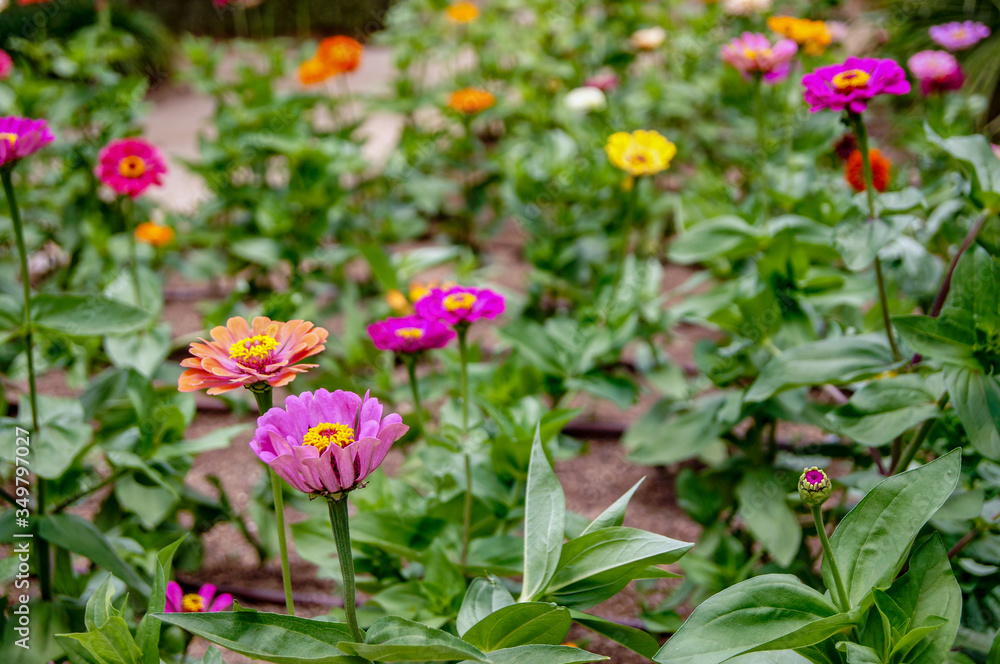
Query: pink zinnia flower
[(752, 55), (959, 36), (244, 354), (20, 137), (203, 601), (6, 64), (850, 85), (937, 71), (130, 166), (410, 334), (326, 443), (460, 305), (604, 80)]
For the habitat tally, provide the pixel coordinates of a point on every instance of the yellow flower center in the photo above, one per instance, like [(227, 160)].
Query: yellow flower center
[(254, 352), (322, 435), (409, 333), (192, 603), (852, 79), (132, 167), (753, 55), (457, 301), (11, 138)]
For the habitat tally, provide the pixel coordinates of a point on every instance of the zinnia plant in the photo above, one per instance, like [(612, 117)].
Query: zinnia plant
[(937, 71), (326, 444), (258, 356)]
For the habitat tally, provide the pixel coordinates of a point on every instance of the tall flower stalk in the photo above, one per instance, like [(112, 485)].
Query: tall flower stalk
[(814, 489), (341, 523), (463, 355)]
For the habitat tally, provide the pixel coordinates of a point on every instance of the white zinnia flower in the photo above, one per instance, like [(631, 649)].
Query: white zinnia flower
[(648, 39), (746, 7), (585, 100)]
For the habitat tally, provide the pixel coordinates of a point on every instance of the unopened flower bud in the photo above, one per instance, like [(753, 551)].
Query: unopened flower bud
[(814, 486)]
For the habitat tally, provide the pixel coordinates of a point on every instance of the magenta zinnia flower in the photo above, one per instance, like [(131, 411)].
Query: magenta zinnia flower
[(130, 166), (20, 137), (937, 71), (959, 36), (604, 80), (203, 601), (410, 334), (461, 305), (850, 85), (6, 64), (326, 443), (752, 55)]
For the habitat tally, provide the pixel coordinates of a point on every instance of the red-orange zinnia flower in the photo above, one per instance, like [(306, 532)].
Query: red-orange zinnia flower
[(854, 171), (244, 354), (340, 53), (471, 100)]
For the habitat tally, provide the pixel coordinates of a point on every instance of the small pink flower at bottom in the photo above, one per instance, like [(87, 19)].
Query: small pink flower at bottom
[(21, 137), (203, 601), (461, 305), (130, 166), (410, 334), (853, 83), (937, 71), (326, 443), (752, 55)]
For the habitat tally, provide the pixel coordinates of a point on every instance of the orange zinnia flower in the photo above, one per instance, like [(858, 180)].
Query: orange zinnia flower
[(471, 100), (462, 12), (152, 233), (854, 170), (244, 354), (312, 71), (340, 53), (812, 36)]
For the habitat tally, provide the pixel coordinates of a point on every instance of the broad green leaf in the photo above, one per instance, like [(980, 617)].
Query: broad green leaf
[(884, 409), (64, 436), (271, 637), (978, 160), (381, 266), (148, 635), (539, 654), (728, 236), (394, 639), (977, 401), (78, 535), (772, 657), (544, 523), (99, 608), (143, 351), (85, 315), (835, 361), (870, 543), (48, 621), (111, 644), (764, 508), (860, 241), (929, 589), (859, 654), (630, 637), (520, 624), (938, 338), (615, 514), (483, 597), (595, 566), (901, 650), (749, 615)]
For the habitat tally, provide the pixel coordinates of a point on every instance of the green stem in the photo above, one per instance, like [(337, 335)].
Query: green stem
[(861, 133), (128, 210), (44, 555), (340, 521), (918, 438), (411, 370), (265, 399), (630, 205), (758, 94), (463, 355), (843, 600), (467, 509)]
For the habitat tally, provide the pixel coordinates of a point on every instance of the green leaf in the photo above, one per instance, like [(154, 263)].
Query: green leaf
[(728, 236), (148, 634), (78, 535), (871, 542), (520, 624), (772, 657), (64, 436), (596, 566), (774, 608), (99, 608), (900, 651), (544, 523), (765, 510), (630, 637), (484, 597), (929, 589), (859, 654), (110, 644), (394, 639), (85, 315), (143, 351), (835, 361), (615, 514), (271, 637), (884, 409), (977, 401), (978, 160), (381, 266), (539, 654), (940, 338)]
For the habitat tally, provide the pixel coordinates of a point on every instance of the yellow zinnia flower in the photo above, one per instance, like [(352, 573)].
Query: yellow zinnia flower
[(640, 153), (812, 36), (462, 12)]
